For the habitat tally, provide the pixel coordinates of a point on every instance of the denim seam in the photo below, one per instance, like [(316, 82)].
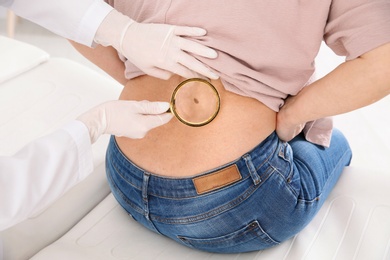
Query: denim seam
[(252, 169), (167, 197), (250, 229), (282, 155), (145, 196), (114, 165), (131, 204), (121, 194), (211, 213), (196, 195), (318, 197), (268, 239), (285, 182), (267, 159), (125, 157), (290, 173)]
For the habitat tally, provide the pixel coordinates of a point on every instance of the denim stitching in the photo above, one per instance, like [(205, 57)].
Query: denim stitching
[(318, 197), (211, 213), (114, 165), (122, 195), (266, 159), (251, 228)]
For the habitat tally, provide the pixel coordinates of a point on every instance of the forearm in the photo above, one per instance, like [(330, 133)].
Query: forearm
[(105, 58), (42, 171), (352, 85)]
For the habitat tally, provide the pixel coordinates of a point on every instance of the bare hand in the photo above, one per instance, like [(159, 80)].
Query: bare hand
[(286, 128)]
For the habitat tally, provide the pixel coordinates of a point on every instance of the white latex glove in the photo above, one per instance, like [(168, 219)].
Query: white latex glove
[(132, 119), (158, 50)]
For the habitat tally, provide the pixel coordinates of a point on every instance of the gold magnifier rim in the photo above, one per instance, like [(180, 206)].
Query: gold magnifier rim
[(173, 103)]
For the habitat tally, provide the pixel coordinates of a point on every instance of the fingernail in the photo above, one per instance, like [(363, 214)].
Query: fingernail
[(213, 76), (213, 54), (165, 118), (164, 106), (200, 31)]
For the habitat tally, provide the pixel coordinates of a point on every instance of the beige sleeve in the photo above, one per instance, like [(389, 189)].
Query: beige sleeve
[(358, 26)]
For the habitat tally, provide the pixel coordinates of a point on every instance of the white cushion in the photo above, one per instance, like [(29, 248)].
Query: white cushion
[(18, 57), (36, 103), (353, 224), (38, 98)]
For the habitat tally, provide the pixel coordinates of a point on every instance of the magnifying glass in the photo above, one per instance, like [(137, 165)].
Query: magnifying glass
[(195, 102)]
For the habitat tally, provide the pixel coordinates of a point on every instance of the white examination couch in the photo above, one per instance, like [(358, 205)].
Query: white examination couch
[(39, 93)]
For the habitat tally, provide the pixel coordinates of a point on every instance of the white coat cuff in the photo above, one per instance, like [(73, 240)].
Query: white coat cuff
[(91, 22), (80, 134)]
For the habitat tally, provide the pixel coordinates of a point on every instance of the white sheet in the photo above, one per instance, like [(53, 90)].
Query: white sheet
[(18, 57), (353, 224), (33, 104)]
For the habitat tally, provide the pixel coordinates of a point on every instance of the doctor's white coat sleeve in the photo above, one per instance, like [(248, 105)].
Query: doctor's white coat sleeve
[(77, 20), (42, 171)]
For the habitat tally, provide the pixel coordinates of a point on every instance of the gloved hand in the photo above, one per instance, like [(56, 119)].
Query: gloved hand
[(156, 49), (132, 119)]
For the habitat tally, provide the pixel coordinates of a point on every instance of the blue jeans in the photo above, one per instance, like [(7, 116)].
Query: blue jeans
[(278, 190)]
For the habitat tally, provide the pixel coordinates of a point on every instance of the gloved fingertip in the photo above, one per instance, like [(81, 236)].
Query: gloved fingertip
[(165, 118), (199, 31), (212, 54), (213, 76), (162, 107), (159, 120), (189, 31)]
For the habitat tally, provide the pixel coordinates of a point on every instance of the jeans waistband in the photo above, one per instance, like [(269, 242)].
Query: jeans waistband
[(252, 164)]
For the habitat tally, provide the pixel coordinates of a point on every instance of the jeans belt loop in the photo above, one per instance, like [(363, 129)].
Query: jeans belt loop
[(145, 185), (252, 169)]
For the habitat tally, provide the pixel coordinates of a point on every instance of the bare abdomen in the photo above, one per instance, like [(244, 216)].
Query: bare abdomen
[(178, 150)]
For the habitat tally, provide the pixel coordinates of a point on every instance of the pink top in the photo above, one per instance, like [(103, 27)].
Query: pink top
[(266, 49)]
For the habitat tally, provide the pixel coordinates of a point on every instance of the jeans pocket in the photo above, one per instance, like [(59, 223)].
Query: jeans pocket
[(283, 164), (249, 238)]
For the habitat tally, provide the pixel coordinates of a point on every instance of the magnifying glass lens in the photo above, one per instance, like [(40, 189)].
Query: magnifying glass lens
[(195, 102)]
